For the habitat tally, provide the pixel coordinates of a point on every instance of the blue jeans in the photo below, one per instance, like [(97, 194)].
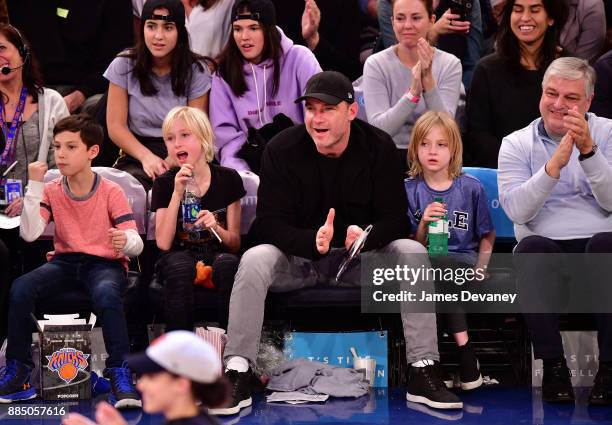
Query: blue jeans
[(103, 280)]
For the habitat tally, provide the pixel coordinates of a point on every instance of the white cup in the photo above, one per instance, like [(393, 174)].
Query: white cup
[(367, 367)]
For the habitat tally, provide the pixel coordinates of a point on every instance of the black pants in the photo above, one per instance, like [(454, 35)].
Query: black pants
[(176, 271), (455, 321), (548, 272)]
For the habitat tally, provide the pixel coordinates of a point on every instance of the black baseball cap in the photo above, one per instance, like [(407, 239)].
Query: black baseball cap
[(260, 10), (330, 87), (176, 11)]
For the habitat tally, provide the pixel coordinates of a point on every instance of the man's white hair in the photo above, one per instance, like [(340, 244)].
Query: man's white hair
[(572, 69)]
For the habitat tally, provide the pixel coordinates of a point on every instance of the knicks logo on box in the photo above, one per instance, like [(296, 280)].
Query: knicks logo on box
[(67, 362)]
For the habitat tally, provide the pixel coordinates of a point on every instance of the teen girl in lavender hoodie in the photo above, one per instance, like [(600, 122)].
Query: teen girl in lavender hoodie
[(261, 72)]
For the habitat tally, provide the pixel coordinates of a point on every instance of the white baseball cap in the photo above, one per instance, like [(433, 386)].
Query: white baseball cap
[(182, 353)]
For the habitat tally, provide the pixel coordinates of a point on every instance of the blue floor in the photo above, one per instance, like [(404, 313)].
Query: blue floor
[(482, 407)]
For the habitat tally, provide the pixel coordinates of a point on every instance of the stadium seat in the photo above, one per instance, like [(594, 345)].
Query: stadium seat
[(504, 228), (248, 203), (358, 88)]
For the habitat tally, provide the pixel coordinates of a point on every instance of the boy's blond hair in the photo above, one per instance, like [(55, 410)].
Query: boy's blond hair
[(197, 122), (422, 127)]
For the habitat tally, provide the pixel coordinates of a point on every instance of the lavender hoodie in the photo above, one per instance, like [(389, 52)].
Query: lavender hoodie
[(232, 116)]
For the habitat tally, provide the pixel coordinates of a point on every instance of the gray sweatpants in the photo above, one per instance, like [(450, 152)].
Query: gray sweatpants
[(265, 267)]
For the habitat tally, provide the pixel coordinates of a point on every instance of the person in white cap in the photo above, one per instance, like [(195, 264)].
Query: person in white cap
[(179, 376)]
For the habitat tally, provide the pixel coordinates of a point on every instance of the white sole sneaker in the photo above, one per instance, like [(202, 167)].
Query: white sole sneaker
[(434, 404), (128, 403), (466, 386), (19, 398), (231, 410)]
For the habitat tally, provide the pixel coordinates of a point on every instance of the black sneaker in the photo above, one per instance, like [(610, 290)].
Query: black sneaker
[(241, 393), (556, 382), (123, 395), (425, 386), (601, 393), (469, 371), (15, 382)]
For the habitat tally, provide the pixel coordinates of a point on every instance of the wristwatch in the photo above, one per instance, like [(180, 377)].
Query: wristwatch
[(587, 155)]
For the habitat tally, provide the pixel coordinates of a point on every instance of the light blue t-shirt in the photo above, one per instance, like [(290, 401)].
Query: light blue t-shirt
[(467, 206), (146, 113)]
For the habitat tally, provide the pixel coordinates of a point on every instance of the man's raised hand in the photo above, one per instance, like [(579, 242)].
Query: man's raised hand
[(326, 233)]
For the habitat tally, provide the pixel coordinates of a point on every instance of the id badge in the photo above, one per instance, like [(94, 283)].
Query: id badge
[(13, 189)]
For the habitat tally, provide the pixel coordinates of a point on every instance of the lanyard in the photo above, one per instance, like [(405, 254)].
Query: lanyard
[(8, 156)]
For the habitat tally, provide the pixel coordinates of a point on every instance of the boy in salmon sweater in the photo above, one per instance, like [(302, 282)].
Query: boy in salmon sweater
[(95, 233)]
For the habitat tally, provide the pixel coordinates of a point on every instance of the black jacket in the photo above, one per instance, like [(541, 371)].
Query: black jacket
[(368, 189), (502, 99)]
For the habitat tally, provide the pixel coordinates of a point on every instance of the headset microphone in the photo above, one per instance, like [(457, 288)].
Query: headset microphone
[(24, 52), (6, 70)]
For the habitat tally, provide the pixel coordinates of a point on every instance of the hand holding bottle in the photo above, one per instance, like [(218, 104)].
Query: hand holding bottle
[(434, 212), (182, 177)]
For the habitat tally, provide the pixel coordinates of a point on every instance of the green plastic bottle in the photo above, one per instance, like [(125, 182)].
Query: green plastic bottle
[(438, 234)]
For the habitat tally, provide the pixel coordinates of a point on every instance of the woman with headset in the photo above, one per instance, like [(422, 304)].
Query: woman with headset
[(28, 112)]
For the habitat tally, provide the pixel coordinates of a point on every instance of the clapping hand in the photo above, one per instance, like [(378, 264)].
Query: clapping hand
[(578, 128), (311, 19)]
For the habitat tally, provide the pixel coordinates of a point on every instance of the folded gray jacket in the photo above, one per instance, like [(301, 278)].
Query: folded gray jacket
[(317, 378)]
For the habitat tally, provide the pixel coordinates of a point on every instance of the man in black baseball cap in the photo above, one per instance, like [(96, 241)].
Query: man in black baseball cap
[(321, 184), (330, 87), (330, 108)]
